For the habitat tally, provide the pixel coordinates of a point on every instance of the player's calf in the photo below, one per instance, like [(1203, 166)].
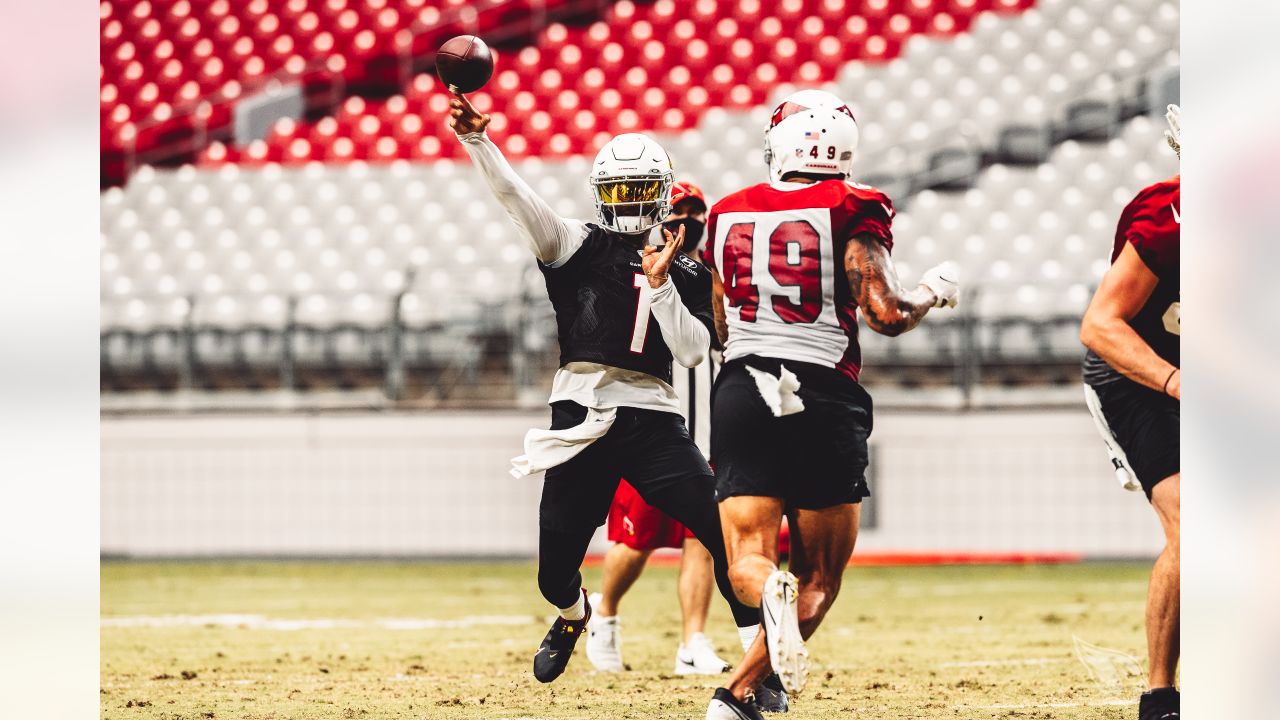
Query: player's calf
[(817, 595)]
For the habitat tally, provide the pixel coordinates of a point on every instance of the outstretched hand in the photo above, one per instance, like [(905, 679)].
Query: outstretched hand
[(465, 118), (944, 282), (656, 262)]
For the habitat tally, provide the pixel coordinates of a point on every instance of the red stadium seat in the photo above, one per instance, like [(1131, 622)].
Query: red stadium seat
[(653, 66)]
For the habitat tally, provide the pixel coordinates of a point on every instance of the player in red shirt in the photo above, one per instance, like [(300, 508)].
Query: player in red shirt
[(794, 261), (1133, 387)]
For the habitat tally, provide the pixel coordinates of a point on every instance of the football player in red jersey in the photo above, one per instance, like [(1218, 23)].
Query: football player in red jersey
[(794, 260), (1133, 387)]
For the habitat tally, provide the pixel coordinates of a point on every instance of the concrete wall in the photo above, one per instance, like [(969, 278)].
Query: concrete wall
[(436, 484)]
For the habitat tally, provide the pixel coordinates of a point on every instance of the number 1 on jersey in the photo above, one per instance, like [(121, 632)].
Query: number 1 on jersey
[(641, 329)]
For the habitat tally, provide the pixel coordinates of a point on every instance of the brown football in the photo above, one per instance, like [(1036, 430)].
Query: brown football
[(464, 63)]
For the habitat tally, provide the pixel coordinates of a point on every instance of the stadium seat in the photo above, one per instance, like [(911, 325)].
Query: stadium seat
[(326, 222), (641, 46)]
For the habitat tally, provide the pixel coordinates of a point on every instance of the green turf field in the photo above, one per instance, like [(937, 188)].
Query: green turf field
[(452, 640)]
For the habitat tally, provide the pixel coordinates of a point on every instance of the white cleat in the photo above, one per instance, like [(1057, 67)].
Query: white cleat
[(699, 658), (604, 643), (778, 615)]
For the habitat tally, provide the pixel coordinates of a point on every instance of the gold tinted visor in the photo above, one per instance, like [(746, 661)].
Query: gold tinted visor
[(629, 191)]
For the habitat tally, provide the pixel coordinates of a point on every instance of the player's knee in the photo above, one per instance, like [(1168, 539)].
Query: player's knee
[(1166, 498), (553, 583), (740, 571), (544, 580)]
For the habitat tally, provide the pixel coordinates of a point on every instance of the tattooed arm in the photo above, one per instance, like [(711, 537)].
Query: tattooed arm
[(889, 309)]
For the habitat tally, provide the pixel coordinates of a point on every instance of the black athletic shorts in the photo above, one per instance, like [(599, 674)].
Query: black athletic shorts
[(1145, 425), (650, 448), (813, 459)]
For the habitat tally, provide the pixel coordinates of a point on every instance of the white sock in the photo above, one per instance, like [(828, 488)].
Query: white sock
[(748, 635), (692, 639), (576, 611)]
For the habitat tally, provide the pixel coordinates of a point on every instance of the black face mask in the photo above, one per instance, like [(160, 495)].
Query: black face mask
[(692, 231)]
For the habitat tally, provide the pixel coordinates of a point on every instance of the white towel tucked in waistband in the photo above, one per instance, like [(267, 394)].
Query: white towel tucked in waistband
[(545, 449), (779, 393)]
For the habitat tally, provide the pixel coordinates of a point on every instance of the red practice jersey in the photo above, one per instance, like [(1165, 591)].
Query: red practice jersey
[(779, 249), (1151, 223)]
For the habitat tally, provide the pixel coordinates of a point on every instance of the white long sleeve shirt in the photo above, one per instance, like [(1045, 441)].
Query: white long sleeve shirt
[(553, 240)]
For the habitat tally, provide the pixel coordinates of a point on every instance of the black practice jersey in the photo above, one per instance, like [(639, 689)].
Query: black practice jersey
[(601, 298)]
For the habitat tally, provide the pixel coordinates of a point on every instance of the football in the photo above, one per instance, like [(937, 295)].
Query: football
[(464, 63)]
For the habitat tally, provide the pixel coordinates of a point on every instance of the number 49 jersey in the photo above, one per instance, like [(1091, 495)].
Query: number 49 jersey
[(779, 249)]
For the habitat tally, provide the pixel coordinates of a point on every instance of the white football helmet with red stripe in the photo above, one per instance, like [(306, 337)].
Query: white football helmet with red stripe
[(811, 132)]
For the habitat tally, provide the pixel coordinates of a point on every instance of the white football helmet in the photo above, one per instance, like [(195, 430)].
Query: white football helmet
[(811, 131), (631, 181)]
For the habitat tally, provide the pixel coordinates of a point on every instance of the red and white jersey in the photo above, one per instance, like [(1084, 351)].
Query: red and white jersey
[(1152, 224), (779, 249)]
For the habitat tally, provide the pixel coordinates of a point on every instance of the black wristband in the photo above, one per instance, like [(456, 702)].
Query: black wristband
[(1166, 381)]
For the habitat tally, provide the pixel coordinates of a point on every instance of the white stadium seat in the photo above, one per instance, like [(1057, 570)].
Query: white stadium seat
[(343, 238)]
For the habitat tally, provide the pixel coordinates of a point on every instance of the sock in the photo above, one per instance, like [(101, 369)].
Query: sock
[(748, 635), (576, 611), (692, 639)]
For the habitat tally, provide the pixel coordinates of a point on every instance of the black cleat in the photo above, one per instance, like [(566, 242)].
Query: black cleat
[(553, 654), (770, 697), (1160, 704), (724, 706)]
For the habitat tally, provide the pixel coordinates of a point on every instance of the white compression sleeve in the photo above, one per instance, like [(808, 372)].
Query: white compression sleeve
[(552, 238), (688, 339)]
